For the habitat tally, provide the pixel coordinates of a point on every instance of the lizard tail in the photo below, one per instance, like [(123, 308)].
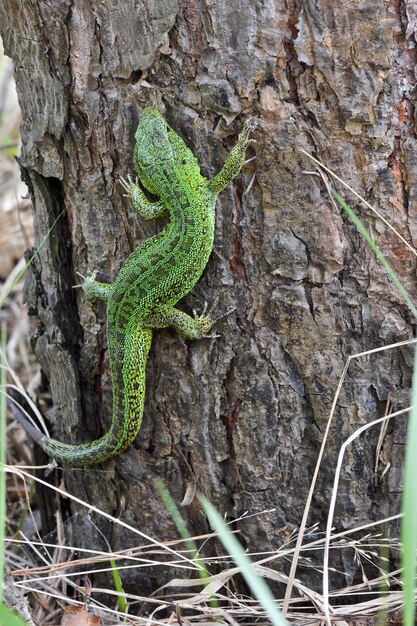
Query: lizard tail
[(128, 400), (77, 454)]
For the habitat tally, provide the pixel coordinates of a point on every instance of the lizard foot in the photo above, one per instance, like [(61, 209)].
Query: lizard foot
[(84, 279), (128, 185), (89, 286), (205, 320), (249, 125)]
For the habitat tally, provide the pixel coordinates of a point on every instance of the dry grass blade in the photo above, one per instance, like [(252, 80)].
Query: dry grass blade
[(46, 578), (303, 524), (357, 433), (181, 559), (355, 193)]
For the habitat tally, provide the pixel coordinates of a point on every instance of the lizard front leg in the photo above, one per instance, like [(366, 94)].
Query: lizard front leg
[(234, 161), (145, 208), (95, 290)]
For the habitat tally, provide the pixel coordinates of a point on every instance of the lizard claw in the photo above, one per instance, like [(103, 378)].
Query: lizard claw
[(81, 276), (88, 279), (249, 125), (205, 320), (128, 185), (228, 312)]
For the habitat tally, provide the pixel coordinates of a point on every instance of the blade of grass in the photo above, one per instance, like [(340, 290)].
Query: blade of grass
[(409, 500), (118, 585), (371, 242), (381, 217), (257, 584), (409, 510), (7, 618), (121, 597), (20, 274), (178, 520)]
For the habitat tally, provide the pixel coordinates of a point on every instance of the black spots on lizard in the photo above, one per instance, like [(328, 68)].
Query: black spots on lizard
[(137, 345)]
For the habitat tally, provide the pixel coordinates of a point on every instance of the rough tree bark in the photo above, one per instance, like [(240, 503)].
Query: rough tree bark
[(242, 416)]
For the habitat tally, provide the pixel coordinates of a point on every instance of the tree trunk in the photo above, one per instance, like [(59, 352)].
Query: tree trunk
[(240, 416)]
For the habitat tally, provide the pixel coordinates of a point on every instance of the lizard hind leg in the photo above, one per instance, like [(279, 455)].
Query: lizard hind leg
[(94, 290), (188, 327)]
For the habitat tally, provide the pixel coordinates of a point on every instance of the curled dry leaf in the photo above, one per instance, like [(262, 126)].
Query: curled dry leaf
[(78, 616)]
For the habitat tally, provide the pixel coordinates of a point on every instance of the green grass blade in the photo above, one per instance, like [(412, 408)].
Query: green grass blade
[(370, 241), (121, 597), (409, 500), (176, 516), (19, 276), (7, 618), (182, 529), (257, 584), (409, 509)]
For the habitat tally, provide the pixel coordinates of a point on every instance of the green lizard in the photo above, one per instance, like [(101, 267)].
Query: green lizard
[(157, 274)]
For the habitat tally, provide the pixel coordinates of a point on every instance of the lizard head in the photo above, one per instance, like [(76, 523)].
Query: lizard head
[(159, 147), (152, 148)]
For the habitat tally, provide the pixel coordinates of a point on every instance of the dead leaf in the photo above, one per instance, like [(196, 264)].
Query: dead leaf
[(78, 616)]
